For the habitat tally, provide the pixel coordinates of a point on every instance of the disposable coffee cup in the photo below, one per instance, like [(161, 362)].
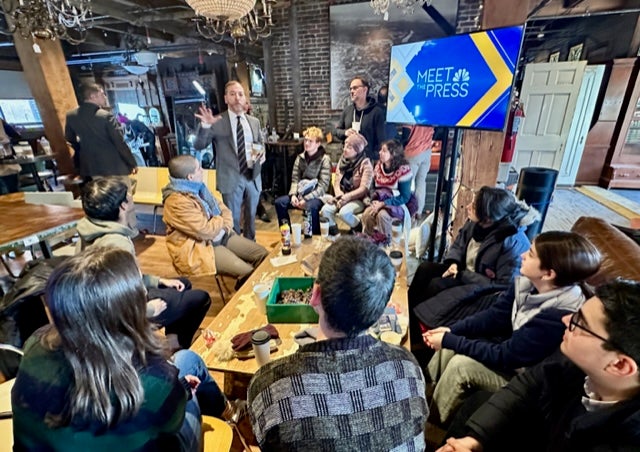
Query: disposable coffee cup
[(260, 341), (396, 230), (261, 293), (324, 228), (296, 234), (396, 259)]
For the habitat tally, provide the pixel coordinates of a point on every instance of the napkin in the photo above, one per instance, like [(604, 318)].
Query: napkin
[(283, 260), (242, 341)]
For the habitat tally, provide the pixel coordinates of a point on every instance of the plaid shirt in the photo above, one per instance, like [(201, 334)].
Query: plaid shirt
[(340, 394)]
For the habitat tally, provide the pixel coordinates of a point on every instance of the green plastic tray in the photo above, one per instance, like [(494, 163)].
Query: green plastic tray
[(290, 313)]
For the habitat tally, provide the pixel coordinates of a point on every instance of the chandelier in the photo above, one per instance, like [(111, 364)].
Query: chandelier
[(49, 19), (240, 19), (407, 6)]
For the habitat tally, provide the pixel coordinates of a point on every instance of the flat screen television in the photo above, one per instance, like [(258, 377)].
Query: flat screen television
[(458, 81), (21, 113)]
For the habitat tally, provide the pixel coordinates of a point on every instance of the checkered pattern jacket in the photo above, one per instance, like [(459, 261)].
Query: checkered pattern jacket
[(340, 394)]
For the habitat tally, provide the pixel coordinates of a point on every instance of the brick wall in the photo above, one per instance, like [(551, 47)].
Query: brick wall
[(312, 19)]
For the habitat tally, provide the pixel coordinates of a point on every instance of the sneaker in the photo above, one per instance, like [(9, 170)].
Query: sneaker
[(234, 411)]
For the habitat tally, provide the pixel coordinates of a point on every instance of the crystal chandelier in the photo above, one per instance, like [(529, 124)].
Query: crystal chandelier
[(407, 6), (240, 19), (50, 19)]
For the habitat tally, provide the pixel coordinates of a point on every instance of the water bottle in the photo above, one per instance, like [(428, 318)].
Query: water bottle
[(307, 224), (46, 147), (285, 230)]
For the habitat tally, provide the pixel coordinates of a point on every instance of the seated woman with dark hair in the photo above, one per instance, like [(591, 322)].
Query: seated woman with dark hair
[(392, 189), (484, 258), (98, 378)]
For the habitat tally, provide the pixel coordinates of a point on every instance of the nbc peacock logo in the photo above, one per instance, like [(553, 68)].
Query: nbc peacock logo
[(461, 75)]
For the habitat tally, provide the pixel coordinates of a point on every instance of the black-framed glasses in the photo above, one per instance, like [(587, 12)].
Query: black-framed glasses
[(574, 322)]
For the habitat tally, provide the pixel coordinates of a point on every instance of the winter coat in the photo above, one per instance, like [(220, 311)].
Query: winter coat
[(496, 265), (319, 168), (190, 232), (372, 126), (530, 326), (541, 410)]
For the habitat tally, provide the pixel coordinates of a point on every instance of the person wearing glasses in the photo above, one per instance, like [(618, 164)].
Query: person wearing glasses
[(520, 329), (585, 398), (363, 116), (310, 180)]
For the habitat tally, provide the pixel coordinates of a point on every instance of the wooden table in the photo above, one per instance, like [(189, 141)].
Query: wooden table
[(240, 314), (29, 163), (6, 425), (23, 224)]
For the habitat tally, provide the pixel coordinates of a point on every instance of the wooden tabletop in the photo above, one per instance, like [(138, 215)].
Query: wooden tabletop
[(25, 224), (240, 314)]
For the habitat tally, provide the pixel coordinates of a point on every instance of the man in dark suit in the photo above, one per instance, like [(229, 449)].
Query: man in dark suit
[(237, 168), (98, 142), (97, 139)]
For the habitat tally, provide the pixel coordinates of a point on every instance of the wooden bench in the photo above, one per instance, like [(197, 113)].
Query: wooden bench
[(151, 180)]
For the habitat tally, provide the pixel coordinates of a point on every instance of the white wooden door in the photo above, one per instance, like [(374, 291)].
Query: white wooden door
[(549, 93), (586, 104)]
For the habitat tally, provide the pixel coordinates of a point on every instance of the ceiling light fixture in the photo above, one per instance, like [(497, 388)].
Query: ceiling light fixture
[(240, 19), (49, 19)]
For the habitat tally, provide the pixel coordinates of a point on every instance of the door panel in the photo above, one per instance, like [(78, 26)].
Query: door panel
[(549, 94)]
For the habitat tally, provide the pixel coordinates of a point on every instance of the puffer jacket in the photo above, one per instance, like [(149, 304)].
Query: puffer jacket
[(318, 168), (190, 232)]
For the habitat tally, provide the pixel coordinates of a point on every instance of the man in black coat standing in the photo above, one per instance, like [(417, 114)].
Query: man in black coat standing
[(98, 142), (363, 116)]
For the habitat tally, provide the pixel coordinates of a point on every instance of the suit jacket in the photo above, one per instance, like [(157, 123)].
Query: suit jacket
[(98, 141), (227, 167)]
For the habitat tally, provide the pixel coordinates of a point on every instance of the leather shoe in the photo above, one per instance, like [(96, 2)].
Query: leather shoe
[(265, 217)]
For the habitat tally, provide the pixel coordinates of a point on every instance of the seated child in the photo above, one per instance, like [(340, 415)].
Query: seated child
[(526, 319)]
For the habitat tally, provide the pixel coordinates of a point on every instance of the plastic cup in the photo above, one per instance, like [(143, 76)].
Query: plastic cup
[(261, 293), (257, 150), (296, 234), (396, 259), (324, 228), (260, 341)]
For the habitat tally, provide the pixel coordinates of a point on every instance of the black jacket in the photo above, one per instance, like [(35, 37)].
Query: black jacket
[(372, 126), (541, 410)]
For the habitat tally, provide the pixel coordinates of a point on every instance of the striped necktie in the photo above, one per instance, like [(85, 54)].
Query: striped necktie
[(242, 156)]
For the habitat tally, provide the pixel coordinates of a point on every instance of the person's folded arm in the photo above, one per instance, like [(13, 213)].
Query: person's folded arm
[(404, 187), (528, 345), (187, 216), (490, 322), (365, 183)]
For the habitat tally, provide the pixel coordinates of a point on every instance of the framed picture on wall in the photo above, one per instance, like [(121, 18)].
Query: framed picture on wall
[(575, 53), (554, 57), (361, 42)]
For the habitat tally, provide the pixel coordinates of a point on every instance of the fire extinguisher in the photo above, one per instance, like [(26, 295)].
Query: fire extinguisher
[(513, 125)]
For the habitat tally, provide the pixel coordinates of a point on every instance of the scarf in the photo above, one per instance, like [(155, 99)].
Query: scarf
[(318, 155), (348, 168), (200, 191)]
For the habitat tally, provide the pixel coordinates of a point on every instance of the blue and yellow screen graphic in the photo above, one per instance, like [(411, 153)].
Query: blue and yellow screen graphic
[(459, 81)]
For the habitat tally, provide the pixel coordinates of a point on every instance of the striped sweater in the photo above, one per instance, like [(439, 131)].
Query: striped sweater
[(340, 394), (41, 392)]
